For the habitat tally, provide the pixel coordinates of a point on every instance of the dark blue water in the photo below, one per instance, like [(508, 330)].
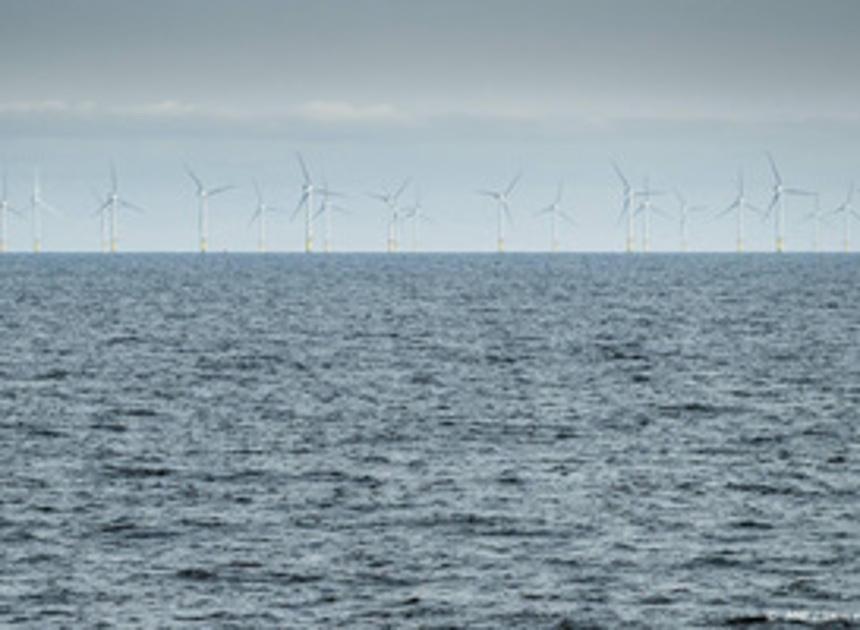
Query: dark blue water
[(430, 441)]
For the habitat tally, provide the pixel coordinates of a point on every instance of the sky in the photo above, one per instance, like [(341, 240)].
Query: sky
[(454, 95)]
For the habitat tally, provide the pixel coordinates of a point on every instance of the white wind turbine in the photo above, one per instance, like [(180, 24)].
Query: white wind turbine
[(778, 201), (325, 210), (846, 209), (391, 201), (111, 205), (683, 214), (203, 194), (503, 209), (37, 204), (646, 207), (740, 205), (306, 201), (627, 209), (260, 217), (555, 212), (5, 208)]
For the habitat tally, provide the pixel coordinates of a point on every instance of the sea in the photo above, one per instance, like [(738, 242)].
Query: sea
[(430, 441)]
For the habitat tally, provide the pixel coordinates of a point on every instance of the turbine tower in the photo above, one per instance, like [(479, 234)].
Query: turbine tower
[(627, 209), (5, 209), (503, 208), (37, 204), (260, 217), (391, 201), (683, 215), (112, 203), (846, 209), (740, 205), (203, 194), (778, 201), (646, 207), (555, 213)]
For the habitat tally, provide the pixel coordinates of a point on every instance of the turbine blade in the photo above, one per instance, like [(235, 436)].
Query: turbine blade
[(301, 203), (219, 190), (723, 213), (773, 202), (257, 192), (195, 179), (488, 193), (799, 192), (773, 168), (130, 206), (304, 168), (621, 175), (101, 208), (401, 189), (513, 184)]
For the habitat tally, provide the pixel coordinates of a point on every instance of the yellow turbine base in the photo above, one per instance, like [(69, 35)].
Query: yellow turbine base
[(37, 247), (204, 246), (780, 245), (309, 246)]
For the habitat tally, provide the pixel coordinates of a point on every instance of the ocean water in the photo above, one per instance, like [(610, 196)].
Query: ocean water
[(476, 441)]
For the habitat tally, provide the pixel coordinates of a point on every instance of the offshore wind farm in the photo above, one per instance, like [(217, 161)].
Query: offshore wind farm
[(437, 314), (316, 205)]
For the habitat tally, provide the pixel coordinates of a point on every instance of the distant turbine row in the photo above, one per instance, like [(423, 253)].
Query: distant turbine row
[(637, 206), (740, 206)]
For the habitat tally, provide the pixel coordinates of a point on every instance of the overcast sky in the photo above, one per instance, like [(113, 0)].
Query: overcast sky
[(456, 95)]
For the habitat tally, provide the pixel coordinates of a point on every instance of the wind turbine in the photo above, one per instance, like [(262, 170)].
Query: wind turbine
[(683, 212), (37, 204), (555, 212), (645, 207), (112, 203), (416, 214), (778, 201), (325, 210), (390, 200), (846, 209), (740, 205), (5, 209), (627, 209), (203, 194), (306, 201), (260, 217), (503, 208)]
